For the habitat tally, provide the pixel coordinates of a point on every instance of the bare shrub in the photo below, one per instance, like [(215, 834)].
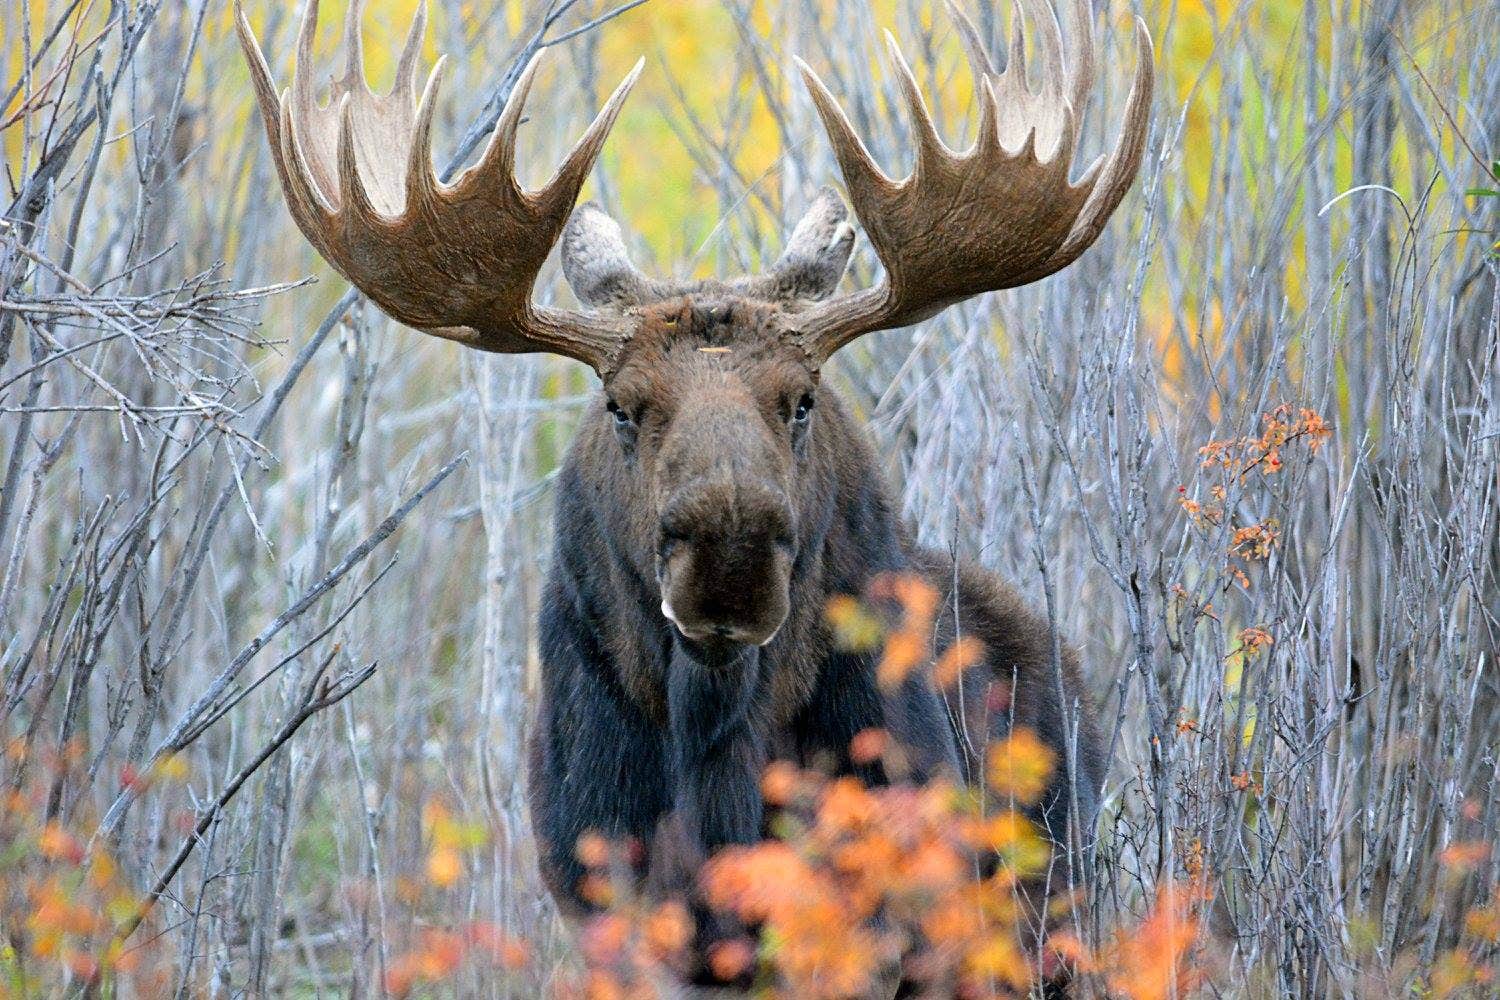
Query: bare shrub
[(227, 493)]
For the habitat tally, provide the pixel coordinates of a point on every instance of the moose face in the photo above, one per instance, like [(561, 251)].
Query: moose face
[(711, 401), (712, 407)]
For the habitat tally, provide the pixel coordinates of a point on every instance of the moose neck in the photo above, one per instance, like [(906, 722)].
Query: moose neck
[(714, 744)]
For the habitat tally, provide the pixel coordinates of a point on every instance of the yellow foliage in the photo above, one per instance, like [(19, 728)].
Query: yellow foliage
[(444, 866), (855, 628), (1020, 767)]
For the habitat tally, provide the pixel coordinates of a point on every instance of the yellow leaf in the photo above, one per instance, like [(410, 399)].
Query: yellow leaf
[(444, 867)]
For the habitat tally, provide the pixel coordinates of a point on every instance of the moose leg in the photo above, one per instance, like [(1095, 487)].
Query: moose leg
[(598, 764)]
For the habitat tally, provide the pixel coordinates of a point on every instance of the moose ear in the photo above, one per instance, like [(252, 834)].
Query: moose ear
[(596, 264), (818, 252)]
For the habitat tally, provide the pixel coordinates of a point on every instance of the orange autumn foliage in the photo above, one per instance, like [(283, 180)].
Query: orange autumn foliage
[(866, 877), (63, 901), (1151, 962), (1237, 462)]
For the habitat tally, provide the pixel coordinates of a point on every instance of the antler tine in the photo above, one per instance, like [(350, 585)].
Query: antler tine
[(968, 35), (353, 198), (1081, 80), (459, 261), (1118, 173), (1014, 75), (303, 196), (1003, 214), (859, 168), (1007, 89), (930, 145), (984, 73), (497, 165), (1052, 100), (421, 182), (306, 34), (988, 137), (1049, 46), (306, 116), (260, 78), (406, 64), (354, 46), (574, 170)]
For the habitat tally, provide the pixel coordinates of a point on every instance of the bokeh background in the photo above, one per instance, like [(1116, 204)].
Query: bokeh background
[(1295, 660)]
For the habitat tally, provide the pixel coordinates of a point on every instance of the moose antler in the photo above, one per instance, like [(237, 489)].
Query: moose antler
[(457, 261), (1001, 215)]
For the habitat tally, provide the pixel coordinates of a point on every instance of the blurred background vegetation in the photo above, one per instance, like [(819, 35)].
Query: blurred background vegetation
[(209, 467)]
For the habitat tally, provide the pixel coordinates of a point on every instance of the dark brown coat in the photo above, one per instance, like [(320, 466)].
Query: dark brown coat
[(713, 486)]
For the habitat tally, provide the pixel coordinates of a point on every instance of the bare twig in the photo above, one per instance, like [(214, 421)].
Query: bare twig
[(320, 693)]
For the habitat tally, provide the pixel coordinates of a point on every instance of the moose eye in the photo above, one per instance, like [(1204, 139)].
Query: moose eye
[(625, 426), (804, 408)]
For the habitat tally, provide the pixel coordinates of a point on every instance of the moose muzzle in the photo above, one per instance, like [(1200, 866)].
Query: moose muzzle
[(724, 561)]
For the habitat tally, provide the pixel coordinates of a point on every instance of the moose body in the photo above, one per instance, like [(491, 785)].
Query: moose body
[(718, 494), (648, 734)]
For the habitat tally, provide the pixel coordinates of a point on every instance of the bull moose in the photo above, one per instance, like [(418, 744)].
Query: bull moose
[(718, 493)]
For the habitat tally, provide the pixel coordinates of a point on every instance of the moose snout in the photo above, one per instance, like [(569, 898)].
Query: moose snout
[(724, 561)]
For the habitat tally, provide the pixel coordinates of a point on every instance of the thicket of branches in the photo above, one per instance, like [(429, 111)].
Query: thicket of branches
[(269, 562)]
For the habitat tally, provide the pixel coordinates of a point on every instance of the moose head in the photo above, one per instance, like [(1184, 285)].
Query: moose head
[(709, 387)]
